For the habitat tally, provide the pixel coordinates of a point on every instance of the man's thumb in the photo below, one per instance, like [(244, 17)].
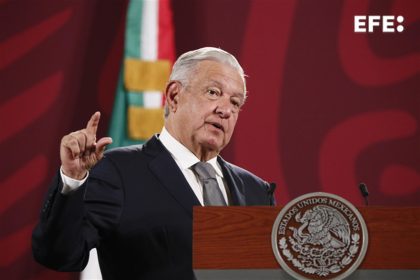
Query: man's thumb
[(102, 143)]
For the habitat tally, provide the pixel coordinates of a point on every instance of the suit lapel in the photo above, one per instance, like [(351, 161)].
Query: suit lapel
[(235, 183), (169, 174)]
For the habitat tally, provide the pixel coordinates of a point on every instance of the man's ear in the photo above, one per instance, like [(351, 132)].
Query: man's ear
[(172, 95)]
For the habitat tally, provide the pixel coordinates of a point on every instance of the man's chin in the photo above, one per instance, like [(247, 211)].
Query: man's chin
[(213, 145)]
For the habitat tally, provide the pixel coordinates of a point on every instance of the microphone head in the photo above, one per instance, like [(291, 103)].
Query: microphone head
[(363, 189)]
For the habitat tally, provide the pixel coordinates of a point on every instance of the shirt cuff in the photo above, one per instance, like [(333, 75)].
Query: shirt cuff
[(70, 184)]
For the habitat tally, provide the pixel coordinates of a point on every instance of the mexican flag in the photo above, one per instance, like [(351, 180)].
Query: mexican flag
[(147, 61), (148, 58)]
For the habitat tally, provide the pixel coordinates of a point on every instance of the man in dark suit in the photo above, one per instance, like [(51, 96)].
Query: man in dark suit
[(134, 204)]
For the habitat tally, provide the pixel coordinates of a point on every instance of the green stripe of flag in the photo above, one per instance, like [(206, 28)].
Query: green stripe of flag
[(118, 124), (132, 39), (133, 29)]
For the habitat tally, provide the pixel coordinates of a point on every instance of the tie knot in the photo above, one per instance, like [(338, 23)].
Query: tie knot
[(204, 170)]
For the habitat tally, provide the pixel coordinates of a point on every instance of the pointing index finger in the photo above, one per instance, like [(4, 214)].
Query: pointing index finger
[(92, 125)]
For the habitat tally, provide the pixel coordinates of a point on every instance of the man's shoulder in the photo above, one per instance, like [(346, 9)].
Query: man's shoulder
[(125, 150), (151, 147), (119, 158), (257, 191), (236, 168), (241, 172)]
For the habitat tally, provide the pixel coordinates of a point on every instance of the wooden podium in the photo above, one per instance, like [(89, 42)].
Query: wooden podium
[(226, 238)]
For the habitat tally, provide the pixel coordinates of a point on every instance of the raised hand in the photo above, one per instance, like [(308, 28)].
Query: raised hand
[(79, 150)]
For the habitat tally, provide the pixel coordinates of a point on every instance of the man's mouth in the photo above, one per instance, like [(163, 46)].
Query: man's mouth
[(218, 126)]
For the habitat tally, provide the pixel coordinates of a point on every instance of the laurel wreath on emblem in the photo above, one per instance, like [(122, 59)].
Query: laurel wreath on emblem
[(322, 243)]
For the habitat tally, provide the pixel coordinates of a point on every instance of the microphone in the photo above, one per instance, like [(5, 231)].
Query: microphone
[(270, 192), (365, 193)]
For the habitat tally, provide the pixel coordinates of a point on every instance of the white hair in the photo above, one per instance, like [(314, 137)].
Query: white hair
[(186, 63)]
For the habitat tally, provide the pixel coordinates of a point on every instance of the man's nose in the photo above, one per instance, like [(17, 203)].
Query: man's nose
[(224, 108)]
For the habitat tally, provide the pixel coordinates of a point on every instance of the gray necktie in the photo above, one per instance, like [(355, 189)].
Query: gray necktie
[(212, 195)]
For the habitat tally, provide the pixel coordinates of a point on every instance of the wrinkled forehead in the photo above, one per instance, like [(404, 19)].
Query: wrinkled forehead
[(219, 72)]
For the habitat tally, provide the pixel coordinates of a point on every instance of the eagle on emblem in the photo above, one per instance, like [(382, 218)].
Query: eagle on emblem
[(322, 225)]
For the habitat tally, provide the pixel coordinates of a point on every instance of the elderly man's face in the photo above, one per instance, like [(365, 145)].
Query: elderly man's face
[(206, 110)]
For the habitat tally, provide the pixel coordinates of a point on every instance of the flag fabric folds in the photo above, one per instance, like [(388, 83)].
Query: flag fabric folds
[(148, 58)]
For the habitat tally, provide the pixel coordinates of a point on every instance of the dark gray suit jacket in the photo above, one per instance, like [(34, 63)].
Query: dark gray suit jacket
[(136, 209)]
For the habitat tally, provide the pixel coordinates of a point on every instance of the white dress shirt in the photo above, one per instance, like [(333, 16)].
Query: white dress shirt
[(183, 157)]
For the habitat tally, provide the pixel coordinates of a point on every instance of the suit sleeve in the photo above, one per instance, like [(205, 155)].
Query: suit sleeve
[(71, 225)]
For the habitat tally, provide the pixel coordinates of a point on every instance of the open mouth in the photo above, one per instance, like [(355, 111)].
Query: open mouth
[(218, 126)]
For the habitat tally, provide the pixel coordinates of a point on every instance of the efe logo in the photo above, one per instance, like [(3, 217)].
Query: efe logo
[(363, 24)]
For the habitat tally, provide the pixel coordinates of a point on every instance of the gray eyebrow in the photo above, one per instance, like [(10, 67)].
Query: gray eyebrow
[(242, 95)]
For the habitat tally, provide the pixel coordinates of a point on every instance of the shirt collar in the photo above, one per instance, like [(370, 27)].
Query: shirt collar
[(182, 155)]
